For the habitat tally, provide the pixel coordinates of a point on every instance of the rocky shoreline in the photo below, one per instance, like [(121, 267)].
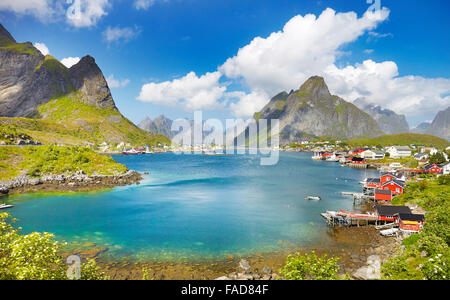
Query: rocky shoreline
[(77, 182), (362, 251)]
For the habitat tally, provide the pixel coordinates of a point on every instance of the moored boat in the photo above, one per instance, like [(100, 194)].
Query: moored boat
[(4, 206), (314, 198)]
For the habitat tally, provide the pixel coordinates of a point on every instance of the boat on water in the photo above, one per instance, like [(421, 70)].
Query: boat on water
[(134, 151), (4, 206), (313, 198)]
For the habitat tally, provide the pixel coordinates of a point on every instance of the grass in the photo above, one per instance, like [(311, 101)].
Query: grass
[(96, 124), (426, 255), (67, 120), (401, 139), (40, 160), (24, 48)]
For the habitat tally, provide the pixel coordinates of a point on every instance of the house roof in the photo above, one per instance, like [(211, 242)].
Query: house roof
[(395, 181), (402, 148), (357, 159), (429, 166), (383, 192), (390, 174), (384, 210), (375, 180), (412, 217)]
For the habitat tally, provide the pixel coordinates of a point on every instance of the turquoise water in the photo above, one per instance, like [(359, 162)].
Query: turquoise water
[(196, 206)]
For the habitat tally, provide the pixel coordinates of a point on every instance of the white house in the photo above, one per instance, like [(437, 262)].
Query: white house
[(420, 156), (399, 151), (372, 154), (446, 169)]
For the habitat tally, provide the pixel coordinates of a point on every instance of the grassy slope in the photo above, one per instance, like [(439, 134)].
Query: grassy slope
[(39, 160), (402, 139), (427, 255), (67, 120)]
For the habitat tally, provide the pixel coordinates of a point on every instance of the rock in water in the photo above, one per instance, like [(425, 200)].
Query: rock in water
[(245, 265), (370, 272)]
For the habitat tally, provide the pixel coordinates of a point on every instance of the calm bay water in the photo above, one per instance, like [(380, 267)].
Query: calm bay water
[(197, 206)]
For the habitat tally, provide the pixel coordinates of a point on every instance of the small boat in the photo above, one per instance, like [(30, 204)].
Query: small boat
[(3, 206), (314, 198)]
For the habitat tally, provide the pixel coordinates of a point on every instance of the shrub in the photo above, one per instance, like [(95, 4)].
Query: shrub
[(310, 267), (35, 256)]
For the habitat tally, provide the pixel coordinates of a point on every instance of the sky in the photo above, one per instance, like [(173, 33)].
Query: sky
[(228, 58)]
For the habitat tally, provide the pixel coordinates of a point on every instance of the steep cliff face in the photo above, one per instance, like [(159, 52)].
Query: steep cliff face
[(389, 121), (29, 79), (441, 125), (312, 110), (87, 78), (74, 105)]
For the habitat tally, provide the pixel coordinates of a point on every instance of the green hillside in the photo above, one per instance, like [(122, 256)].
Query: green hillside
[(67, 120), (41, 160), (402, 139)]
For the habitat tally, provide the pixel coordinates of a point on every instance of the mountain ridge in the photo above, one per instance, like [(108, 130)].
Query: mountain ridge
[(313, 111), (76, 103)]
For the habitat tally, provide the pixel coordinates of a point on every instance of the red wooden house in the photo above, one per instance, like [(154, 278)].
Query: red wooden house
[(387, 177), (373, 183), (389, 212), (410, 222), (433, 169), (383, 195), (395, 186), (358, 161)]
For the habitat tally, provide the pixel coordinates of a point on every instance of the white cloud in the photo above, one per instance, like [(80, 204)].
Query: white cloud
[(248, 104), (369, 51), (116, 83), (70, 61), (379, 83), (42, 48), (116, 34), (143, 4), (44, 10), (189, 92), (86, 13), (78, 13), (306, 46)]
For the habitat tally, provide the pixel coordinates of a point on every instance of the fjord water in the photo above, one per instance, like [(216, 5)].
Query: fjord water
[(198, 207)]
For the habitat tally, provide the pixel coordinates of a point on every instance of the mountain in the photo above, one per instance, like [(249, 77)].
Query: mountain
[(55, 104), (441, 125), (313, 111), (160, 125), (421, 128), (388, 120)]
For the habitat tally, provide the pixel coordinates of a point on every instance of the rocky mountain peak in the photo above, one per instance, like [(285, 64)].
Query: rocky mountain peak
[(87, 78), (316, 87), (5, 36)]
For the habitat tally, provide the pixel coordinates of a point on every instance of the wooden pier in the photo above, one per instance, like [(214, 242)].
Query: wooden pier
[(347, 219)]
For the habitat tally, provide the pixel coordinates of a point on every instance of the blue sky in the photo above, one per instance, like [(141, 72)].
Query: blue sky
[(148, 49)]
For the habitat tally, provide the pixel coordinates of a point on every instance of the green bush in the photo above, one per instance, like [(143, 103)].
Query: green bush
[(310, 267), (35, 256)]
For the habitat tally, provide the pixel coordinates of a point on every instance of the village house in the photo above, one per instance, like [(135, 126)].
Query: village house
[(358, 161), (385, 177), (390, 212), (433, 168), (399, 151), (430, 150), (383, 195), (421, 156), (446, 169), (410, 222), (395, 186), (372, 154)]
